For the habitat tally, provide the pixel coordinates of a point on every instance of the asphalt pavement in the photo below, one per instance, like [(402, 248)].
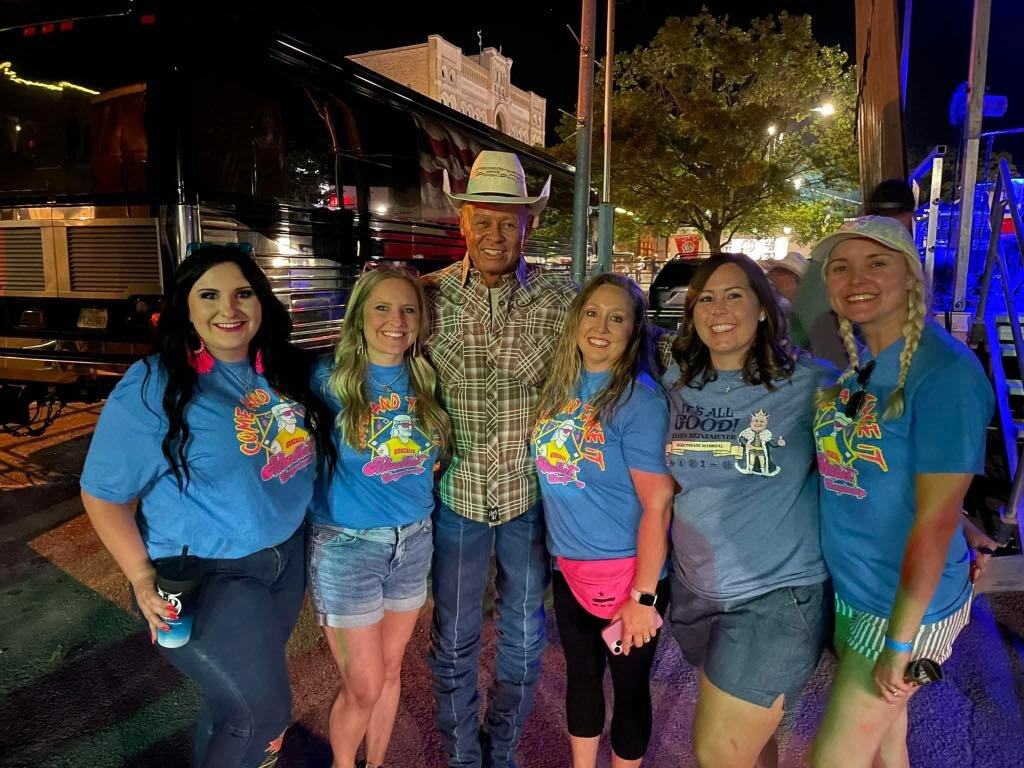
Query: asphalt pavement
[(81, 686)]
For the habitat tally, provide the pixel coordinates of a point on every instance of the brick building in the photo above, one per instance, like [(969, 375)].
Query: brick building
[(478, 86)]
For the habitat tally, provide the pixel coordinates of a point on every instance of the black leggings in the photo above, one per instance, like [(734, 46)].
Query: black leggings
[(585, 659)]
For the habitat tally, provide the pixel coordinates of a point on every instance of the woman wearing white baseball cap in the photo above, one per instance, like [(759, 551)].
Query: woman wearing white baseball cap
[(898, 437)]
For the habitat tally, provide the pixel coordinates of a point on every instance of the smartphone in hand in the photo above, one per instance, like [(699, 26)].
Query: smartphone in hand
[(612, 634)]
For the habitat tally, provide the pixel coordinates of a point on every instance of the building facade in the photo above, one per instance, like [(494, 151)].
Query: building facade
[(478, 86)]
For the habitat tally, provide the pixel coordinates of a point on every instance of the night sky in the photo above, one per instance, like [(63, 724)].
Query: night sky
[(546, 58)]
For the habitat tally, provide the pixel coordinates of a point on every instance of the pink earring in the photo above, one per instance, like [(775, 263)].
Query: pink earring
[(259, 362), (200, 360)]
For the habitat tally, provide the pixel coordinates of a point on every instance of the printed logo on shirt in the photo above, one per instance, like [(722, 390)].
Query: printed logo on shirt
[(401, 448), (841, 442), (700, 430), (273, 431), (562, 444), (757, 442)]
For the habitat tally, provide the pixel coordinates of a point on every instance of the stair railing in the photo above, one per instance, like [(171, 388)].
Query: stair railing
[(1003, 199)]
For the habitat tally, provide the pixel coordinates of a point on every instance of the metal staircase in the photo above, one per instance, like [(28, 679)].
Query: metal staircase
[(998, 327)]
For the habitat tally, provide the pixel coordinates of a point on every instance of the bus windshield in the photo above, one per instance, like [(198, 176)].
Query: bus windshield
[(73, 102)]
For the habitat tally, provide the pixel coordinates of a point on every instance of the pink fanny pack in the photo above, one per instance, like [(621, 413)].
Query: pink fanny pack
[(600, 586)]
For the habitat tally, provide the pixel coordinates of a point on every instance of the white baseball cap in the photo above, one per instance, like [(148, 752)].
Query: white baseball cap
[(791, 262)]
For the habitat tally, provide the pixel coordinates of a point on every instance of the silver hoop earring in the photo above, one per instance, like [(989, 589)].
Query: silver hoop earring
[(762, 318)]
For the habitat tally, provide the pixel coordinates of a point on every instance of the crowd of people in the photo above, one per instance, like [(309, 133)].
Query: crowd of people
[(494, 418)]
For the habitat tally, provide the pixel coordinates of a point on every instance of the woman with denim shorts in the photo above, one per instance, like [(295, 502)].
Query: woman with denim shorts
[(899, 438), (216, 439), (370, 540), (607, 505), (750, 599)]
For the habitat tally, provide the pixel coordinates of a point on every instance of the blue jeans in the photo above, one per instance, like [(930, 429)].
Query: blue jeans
[(245, 614), (462, 557)]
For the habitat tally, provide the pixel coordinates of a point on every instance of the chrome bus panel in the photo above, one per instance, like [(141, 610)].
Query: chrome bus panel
[(57, 361), (108, 258), (313, 289)]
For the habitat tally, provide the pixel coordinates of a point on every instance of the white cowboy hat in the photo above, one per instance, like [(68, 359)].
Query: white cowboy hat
[(497, 178)]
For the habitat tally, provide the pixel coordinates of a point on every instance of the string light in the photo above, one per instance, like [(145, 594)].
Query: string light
[(7, 69)]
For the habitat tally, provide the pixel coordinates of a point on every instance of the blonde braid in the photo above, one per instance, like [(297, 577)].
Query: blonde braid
[(912, 329), (823, 397)]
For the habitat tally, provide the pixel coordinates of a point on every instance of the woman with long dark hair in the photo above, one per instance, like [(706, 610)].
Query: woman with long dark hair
[(372, 541), (749, 594), (598, 447), (213, 444)]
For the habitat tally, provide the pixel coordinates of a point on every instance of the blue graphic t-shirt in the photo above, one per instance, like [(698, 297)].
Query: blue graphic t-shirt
[(391, 482), (590, 504), (746, 520), (868, 468), (250, 458)]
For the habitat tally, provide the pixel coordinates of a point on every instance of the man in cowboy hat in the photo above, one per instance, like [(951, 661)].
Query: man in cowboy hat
[(494, 323)]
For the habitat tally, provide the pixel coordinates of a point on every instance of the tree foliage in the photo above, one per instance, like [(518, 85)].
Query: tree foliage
[(691, 114)]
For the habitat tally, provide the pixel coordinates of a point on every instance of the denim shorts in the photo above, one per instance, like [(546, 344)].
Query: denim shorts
[(758, 647), (357, 574)]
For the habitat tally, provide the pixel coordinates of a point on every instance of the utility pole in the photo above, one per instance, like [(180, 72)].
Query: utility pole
[(879, 113), (972, 140), (606, 211), (584, 122)]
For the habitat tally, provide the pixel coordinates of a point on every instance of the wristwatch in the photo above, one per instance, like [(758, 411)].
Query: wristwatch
[(644, 598)]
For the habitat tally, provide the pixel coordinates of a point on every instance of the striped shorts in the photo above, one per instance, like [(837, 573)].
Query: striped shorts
[(865, 633)]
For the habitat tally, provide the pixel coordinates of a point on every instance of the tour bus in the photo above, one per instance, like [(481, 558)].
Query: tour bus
[(143, 127)]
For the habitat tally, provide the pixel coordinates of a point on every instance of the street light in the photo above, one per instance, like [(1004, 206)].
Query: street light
[(771, 130), (798, 182), (825, 110)]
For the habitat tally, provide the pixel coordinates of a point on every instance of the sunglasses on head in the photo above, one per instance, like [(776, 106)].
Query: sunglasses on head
[(857, 398)]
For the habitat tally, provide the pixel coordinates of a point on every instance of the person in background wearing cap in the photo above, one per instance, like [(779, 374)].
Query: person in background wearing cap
[(494, 323), (786, 274), (893, 198), (899, 437), (812, 313)]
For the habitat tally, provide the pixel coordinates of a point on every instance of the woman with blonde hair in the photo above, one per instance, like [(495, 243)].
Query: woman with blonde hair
[(899, 437), (371, 539), (607, 499)]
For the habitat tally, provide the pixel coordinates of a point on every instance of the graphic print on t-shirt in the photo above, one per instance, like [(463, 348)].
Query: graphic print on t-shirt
[(841, 442), (400, 447), (563, 443), (711, 430), (757, 441), (274, 431)]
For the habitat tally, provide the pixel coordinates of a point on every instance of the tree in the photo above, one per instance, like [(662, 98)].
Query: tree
[(721, 129)]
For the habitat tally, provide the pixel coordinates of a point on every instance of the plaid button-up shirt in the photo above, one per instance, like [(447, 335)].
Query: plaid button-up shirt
[(491, 358)]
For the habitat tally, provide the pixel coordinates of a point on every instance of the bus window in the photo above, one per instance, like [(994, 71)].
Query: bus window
[(379, 167)]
